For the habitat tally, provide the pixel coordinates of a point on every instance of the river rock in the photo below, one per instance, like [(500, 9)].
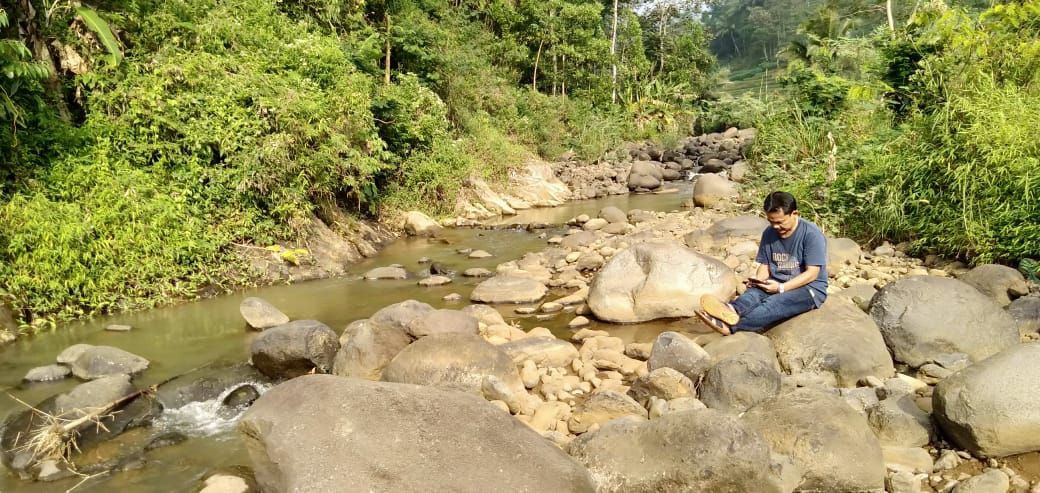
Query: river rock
[(662, 383), (477, 272), (711, 190), (602, 407), (999, 282), (485, 314), (47, 373), (923, 317), (399, 315), (1026, 311), (661, 280), (738, 172), (260, 314), (676, 351), (842, 252), (738, 382), (595, 224), (294, 349), (91, 395), (743, 342), (991, 481), (508, 289), (613, 215), (989, 408), (838, 339), (548, 352), (824, 435), (453, 361), (688, 451), (102, 361), (645, 175), (732, 228), (327, 433), (579, 239), (236, 382), (418, 224), (898, 422), (443, 322), (909, 459), (369, 349), (386, 273), (434, 281)]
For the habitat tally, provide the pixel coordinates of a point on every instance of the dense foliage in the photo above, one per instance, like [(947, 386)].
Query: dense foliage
[(142, 140), (923, 135)]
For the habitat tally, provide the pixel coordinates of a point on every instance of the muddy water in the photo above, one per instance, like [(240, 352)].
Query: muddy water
[(180, 338)]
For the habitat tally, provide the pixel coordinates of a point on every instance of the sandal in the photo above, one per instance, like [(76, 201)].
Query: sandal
[(719, 309), (716, 324)]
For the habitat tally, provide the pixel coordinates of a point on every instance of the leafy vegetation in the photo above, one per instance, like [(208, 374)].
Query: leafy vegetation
[(920, 135), (142, 140)]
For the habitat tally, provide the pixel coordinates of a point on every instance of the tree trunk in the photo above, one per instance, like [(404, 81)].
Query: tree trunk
[(660, 45), (26, 16), (386, 74), (891, 20), (563, 78), (613, 58), (537, 57)]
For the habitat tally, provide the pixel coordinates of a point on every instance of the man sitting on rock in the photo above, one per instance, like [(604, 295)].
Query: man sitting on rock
[(791, 278)]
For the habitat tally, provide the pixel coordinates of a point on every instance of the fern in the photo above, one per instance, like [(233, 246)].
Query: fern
[(103, 31)]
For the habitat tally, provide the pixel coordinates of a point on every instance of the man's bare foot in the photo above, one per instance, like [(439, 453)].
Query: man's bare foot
[(719, 309), (716, 324)]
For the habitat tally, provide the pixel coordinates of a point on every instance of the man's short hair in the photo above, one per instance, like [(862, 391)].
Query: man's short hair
[(780, 201)]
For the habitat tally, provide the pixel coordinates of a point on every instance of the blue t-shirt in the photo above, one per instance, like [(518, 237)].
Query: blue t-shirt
[(788, 257)]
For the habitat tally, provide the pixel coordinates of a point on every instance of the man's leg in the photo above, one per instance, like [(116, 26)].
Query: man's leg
[(775, 308), (748, 301)]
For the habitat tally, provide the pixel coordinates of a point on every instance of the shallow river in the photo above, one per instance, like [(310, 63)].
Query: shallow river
[(180, 338)]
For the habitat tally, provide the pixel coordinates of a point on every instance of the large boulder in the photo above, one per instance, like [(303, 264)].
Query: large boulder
[(731, 228), (260, 314), (645, 175), (657, 280), (418, 224), (508, 289), (368, 349), (328, 433), (990, 408), (613, 215), (739, 382), (899, 422), (711, 190), (1026, 312), (820, 432), (1000, 282), (674, 350), (842, 252), (924, 317), (687, 451), (294, 349), (453, 361), (386, 273), (443, 322), (400, 315), (743, 342), (103, 361), (838, 339)]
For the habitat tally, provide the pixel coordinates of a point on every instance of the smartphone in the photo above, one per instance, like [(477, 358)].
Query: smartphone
[(755, 282)]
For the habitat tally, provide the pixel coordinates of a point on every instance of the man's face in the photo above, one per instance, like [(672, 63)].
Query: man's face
[(782, 223)]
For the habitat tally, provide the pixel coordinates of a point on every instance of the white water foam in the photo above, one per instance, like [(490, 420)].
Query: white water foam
[(204, 418)]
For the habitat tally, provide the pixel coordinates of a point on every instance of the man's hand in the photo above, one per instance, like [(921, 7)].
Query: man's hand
[(771, 286)]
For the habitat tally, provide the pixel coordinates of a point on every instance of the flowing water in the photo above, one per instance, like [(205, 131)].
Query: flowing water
[(180, 338)]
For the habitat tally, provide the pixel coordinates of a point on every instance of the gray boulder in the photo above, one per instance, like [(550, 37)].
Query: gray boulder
[(674, 350), (1026, 311), (386, 273), (838, 339), (823, 434), (368, 349), (923, 317), (711, 190), (738, 382), (731, 228), (453, 361), (601, 407), (991, 481), (613, 215), (485, 314), (294, 349), (999, 282), (47, 373), (990, 408), (898, 422), (400, 315), (842, 252), (443, 322), (743, 342), (260, 314), (418, 224), (508, 289), (328, 433), (662, 383), (102, 361), (687, 451), (88, 396), (548, 352), (646, 175), (657, 280)]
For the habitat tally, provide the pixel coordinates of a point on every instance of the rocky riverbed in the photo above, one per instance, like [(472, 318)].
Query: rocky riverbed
[(917, 375)]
